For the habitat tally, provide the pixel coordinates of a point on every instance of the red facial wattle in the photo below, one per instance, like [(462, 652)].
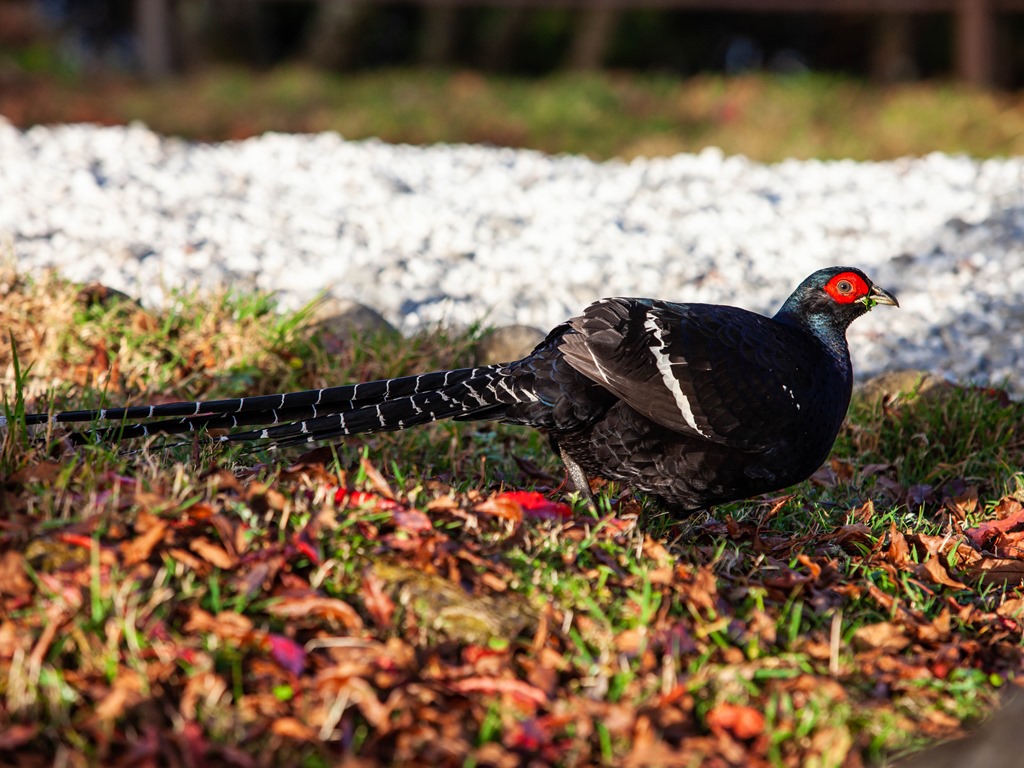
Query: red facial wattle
[(847, 287)]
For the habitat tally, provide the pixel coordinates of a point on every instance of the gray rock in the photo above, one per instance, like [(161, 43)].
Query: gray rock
[(996, 744), (344, 318), (96, 293), (511, 342), (907, 384)]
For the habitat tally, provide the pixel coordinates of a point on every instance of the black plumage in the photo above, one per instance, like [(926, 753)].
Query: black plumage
[(695, 404)]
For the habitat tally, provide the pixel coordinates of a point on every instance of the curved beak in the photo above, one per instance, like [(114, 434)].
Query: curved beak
[(879, 296)]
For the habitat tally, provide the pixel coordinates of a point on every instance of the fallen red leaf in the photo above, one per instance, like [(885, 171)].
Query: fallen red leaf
[(536, 505), (981, 535), (286, 652), (740, 721), (347, 498), (617, 525), (306, 547), (75, 540)]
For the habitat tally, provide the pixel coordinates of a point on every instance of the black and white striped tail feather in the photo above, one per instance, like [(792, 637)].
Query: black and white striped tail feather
[(200, 423), (484, 395), (344, 396), (314, 415)]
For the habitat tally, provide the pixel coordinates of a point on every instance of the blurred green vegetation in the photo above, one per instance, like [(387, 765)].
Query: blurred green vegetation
[(602, 115)]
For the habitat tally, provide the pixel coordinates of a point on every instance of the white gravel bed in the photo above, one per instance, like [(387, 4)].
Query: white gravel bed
[(456, 234)]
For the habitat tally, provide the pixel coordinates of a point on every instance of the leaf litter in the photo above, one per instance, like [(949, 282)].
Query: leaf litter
[(374, 628)]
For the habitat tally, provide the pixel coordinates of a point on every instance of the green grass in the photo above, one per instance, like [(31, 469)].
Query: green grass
[(604, 115), (174, 592)]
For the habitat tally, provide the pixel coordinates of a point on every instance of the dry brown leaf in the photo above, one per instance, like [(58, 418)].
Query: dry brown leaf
[(844, 469), (934, 572), (212, 553), (443, 504), (501, 506), (898, 552), (630, 641), (223, 480), (1012, 608), (188, 559), (232, 534), (493, 582), (44, 472), (934, 631), (662, 576), (829, 747), (999, 570), (824, 476), (891, 487), (147, 500), (123, 693), (411, 521), (963, 503), (494, 754), (13, 580), (369, 705), (201, 510), (226, 624), (884, 636), (658, 552), (864, 512), (702, 591), (290, 728), (253, 580), (376, 479), (850, 536), (206, 687), (377, 601), (517, 689), (315, 605), (139, 549), (1008, 507)]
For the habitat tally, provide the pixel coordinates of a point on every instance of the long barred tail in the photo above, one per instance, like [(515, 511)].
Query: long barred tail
[(317, 414)]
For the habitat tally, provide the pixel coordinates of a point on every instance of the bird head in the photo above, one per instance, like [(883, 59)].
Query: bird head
[(832, 298)]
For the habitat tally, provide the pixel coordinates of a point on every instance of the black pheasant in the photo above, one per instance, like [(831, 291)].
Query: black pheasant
[(695, 404)]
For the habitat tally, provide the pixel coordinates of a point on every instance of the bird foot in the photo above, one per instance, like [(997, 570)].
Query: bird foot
[(579, 479)]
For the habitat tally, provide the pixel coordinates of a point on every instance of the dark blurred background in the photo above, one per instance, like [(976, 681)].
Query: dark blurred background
[(978, 41), (771, 79)]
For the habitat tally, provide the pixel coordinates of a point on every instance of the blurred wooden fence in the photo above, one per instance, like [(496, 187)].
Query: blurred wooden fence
[(975, 24)]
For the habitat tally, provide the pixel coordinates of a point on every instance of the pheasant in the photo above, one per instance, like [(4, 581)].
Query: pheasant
[(693, 404)]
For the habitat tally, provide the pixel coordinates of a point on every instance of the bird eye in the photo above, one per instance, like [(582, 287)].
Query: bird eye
[(844, 286)]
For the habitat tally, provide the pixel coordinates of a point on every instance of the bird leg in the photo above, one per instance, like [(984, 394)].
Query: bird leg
[(579, 479)]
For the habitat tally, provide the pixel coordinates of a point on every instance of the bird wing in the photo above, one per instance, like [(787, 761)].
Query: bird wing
[(718, 373)]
